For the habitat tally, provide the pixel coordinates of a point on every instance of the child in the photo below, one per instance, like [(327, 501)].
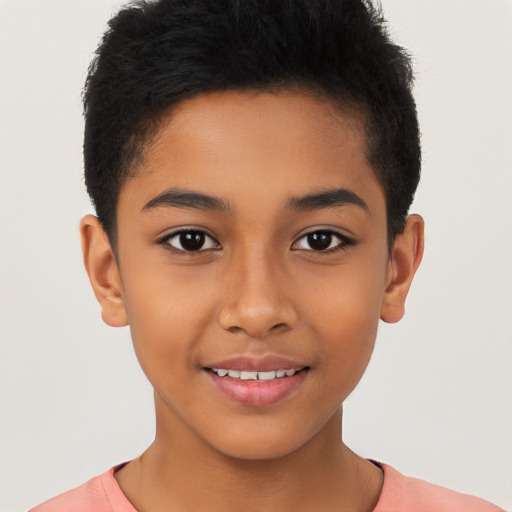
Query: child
[(252, 165)]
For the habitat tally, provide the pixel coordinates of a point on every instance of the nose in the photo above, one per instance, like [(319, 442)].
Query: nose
[(256, 298)]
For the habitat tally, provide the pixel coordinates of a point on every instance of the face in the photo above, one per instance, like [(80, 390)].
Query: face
[(253, 263)]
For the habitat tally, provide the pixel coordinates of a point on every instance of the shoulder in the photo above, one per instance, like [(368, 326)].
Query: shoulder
[(99, 493), (404, 494)]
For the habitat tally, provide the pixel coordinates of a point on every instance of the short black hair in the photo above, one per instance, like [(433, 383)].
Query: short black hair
[(157, 53)]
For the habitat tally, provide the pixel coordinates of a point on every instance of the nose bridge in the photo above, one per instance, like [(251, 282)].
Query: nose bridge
[(256, 300)]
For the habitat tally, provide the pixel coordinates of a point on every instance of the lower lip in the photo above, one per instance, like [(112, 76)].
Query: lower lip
[(258, 393)]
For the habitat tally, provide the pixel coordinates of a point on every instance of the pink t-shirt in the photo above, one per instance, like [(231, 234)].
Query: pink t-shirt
[(399, 494)]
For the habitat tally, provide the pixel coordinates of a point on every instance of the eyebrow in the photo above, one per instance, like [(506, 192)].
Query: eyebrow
[(180, 198), (326, 199)]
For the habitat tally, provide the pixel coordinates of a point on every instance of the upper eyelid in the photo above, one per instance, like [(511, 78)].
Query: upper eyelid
[(333, 231), (186, 229), (343, 238)]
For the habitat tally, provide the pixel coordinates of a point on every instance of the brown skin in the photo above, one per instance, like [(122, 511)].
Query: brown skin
[(258, 287)]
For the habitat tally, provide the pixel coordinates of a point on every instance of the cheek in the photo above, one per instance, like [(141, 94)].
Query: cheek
[(168, 309), (159, 314), (344, 314), (160, 296), (345, 299)]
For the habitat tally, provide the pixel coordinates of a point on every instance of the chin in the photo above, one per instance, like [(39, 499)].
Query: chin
[(257, 451), (264, 442)]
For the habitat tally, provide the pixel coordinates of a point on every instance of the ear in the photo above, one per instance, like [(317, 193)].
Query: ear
[(404, 261), (102, 268)]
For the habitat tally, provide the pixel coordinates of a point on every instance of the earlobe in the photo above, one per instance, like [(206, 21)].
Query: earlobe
[(404, 261), (101, 266)]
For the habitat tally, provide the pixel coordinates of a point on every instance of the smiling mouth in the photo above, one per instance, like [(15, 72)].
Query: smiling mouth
[(255, 375), (252, 387)]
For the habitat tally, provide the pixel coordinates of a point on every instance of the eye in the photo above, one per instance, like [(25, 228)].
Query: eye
[(322, 241), (190, 240)]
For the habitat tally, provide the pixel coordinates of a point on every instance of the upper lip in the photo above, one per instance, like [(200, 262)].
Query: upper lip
[(266, 363)]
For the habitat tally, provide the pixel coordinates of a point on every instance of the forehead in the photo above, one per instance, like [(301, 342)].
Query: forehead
[(256, 147)]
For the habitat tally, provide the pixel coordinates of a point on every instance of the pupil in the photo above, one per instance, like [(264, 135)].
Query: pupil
[(192, 241), (320, 240)]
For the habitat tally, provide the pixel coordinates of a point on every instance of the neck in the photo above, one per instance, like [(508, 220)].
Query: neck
[(179, 472)]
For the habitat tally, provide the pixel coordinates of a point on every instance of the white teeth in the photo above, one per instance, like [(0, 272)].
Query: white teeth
[(251, 375), (266, 375)]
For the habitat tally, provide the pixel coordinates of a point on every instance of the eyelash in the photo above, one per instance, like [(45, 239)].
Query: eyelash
[(343, 244), (166, 239)]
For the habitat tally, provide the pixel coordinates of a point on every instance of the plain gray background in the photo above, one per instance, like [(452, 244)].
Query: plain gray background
[(436, 401)]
